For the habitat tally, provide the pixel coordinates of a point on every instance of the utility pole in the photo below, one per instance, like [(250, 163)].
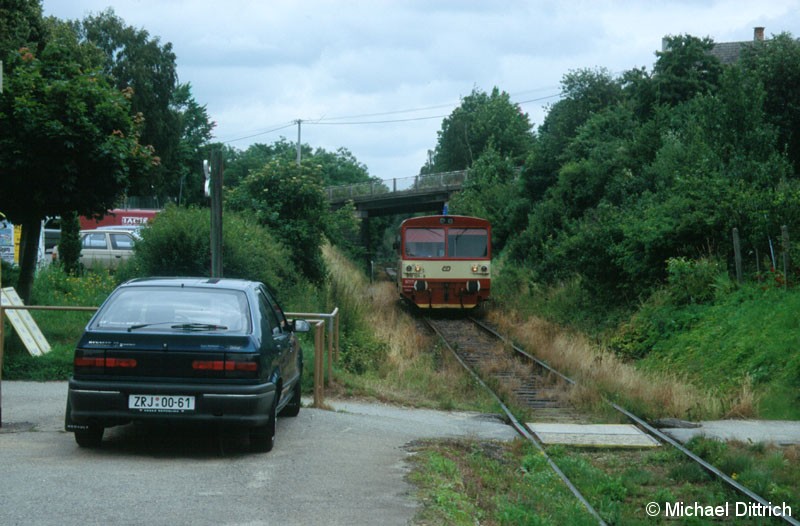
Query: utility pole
[(213, 189), (299, 155)]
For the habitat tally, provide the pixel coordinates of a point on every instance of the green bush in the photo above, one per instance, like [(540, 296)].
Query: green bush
[(361, 352), (177, 243), (56, 365), (10, 274), (692, 281)]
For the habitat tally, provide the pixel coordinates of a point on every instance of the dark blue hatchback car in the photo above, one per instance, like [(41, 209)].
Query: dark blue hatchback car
[(209, 351)]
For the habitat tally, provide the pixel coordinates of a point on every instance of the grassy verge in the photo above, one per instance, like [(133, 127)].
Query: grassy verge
[(733, 353), (468, 482), (748, 337)]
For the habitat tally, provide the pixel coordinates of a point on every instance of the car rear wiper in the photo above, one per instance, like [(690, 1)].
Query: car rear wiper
[(199, 327), (143, 325)]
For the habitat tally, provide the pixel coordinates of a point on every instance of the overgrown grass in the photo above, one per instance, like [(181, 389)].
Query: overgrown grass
[(601, 375), (467, 482), (769, 470), (620, 483)]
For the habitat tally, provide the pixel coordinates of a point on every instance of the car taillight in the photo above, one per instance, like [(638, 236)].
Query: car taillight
[(124, 363), (250, 366), (85, 361), (208, 365), (95, 362), (232, 366)]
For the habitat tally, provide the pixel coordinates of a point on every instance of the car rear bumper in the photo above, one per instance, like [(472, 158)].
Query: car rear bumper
[(106, 403)]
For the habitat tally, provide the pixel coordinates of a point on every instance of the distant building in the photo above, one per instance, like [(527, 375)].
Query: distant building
[(728, 52)]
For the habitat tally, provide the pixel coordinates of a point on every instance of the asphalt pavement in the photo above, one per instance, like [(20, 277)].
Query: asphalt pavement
[(346, 466), (779, 432)]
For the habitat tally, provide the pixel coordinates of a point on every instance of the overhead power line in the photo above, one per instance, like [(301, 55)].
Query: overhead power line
[(343, 120), (395, 112), (376, 122), (289, 125)]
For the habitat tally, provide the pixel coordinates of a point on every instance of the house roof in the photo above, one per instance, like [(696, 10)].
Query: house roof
[(728, 52)]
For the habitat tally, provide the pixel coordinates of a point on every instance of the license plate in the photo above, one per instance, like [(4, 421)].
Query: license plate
[(161, 403)]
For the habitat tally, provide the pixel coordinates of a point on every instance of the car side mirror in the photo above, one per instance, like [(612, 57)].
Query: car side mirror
[(301, 326)]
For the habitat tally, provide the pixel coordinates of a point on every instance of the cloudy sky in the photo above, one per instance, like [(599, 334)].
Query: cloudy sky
[(377, 77)]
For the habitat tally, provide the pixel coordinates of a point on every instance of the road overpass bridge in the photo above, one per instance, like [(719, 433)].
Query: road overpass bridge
[(421, 193)]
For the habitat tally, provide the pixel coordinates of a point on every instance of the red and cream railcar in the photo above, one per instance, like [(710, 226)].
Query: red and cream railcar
[(445, 261)]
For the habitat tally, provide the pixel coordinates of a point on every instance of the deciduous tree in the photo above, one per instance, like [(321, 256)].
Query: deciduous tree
[(480, 120), (67, 139), (174, 124), (289, 200)]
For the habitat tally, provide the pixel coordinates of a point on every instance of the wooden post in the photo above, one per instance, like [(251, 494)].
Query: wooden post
[(216, 214), (758, 265), (785, 246), (336, 334), (318, 364), (737, 255), (329, 324)]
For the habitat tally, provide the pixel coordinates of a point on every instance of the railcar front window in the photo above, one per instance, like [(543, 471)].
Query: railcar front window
[(467, 242), (425, 242)]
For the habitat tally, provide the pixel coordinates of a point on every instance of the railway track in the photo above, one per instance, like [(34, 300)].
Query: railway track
[(528, 385), (514, 376)]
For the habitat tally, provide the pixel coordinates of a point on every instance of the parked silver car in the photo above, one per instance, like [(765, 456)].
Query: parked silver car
[(105, 248)]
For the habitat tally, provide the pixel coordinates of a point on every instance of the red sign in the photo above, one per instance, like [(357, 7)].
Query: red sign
[(118, 216)]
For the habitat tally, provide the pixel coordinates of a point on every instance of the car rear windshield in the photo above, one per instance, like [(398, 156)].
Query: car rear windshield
[(175, 309)]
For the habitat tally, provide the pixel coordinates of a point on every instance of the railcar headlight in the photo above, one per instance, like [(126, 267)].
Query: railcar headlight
[(409, 268), (417, 268), (474, 268), (484, 269)]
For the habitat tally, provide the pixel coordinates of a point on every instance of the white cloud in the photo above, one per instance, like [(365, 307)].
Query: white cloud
[(261, 65)]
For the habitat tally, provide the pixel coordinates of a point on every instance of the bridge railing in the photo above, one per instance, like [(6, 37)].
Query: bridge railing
[(410, 185)]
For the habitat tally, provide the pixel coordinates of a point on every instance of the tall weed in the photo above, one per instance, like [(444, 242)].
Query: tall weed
[(600, 372)]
